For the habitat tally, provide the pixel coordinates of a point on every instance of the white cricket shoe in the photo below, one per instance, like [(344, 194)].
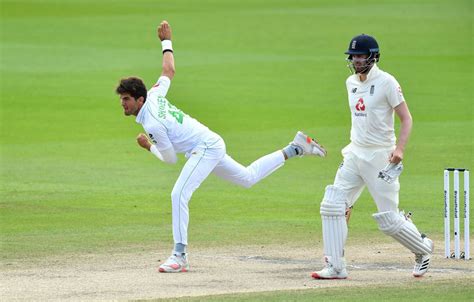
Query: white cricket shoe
[(422, 262), (330, 272), (309, 145), (175, 264)]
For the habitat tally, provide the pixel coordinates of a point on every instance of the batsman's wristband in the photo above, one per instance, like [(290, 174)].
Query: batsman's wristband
[(166, 45)]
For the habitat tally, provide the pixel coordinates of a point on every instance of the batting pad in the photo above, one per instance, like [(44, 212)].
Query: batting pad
[(334, 202), (333, 208), (402, 230)]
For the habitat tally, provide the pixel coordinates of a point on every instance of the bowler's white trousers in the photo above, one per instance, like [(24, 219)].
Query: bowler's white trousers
[(209, 157)]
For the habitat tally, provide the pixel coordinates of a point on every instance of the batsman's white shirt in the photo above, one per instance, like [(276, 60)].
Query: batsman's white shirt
[(371, 103), (167, 126)]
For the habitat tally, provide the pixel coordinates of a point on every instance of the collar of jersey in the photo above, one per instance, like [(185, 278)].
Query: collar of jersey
[(140, 114), (374, 71)]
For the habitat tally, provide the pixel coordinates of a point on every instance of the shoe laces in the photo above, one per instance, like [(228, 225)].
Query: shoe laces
[(175, 259), (327, 264)]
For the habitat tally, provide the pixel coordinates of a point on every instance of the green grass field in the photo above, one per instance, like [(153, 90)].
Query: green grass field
[(74, 181), (444, 290)]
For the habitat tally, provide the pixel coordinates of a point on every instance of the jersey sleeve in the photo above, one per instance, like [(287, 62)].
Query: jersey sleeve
[(161, 87), (347, 85), (394, 93), (159, 136)]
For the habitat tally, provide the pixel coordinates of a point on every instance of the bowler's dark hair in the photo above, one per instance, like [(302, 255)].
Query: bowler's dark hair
[(133, 86)]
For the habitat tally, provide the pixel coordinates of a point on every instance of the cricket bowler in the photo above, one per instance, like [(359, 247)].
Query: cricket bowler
[(170, 131)]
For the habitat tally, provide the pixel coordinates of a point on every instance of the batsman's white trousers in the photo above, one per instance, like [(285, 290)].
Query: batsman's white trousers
[(210, 157), (360, 168)]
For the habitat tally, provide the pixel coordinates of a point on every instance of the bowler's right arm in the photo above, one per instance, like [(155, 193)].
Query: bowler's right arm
[(164, 82)]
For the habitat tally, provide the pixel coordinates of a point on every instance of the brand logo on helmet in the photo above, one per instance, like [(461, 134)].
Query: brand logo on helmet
[(360, 106), (354, 44)]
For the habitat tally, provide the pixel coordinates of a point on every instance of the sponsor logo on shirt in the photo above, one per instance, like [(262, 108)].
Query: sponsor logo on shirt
[(372, 89), (354, 90), (152, 138), (360, 107)]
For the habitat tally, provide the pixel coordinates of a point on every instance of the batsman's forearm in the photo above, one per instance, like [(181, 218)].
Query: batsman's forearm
[(405, 130)]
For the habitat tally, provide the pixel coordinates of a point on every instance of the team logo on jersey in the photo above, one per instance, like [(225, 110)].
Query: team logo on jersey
[(372, 89), (360, 106), (354, 90)]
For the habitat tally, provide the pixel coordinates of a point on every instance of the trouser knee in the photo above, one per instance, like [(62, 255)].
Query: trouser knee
[(179, 195)]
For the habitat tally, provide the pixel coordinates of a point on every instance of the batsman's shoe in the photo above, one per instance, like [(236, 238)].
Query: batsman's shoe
[(309, 145), (330, 272), (422, 262), (175, 264)]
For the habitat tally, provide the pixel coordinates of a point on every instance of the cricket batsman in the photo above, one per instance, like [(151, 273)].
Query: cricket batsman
[(373, 159), (170, 131)]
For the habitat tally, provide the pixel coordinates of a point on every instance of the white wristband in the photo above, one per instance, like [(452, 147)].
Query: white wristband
[(168, 155), (166, 45)]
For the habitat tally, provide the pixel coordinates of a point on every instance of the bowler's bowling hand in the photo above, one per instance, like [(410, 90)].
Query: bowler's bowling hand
[(164, 31)]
